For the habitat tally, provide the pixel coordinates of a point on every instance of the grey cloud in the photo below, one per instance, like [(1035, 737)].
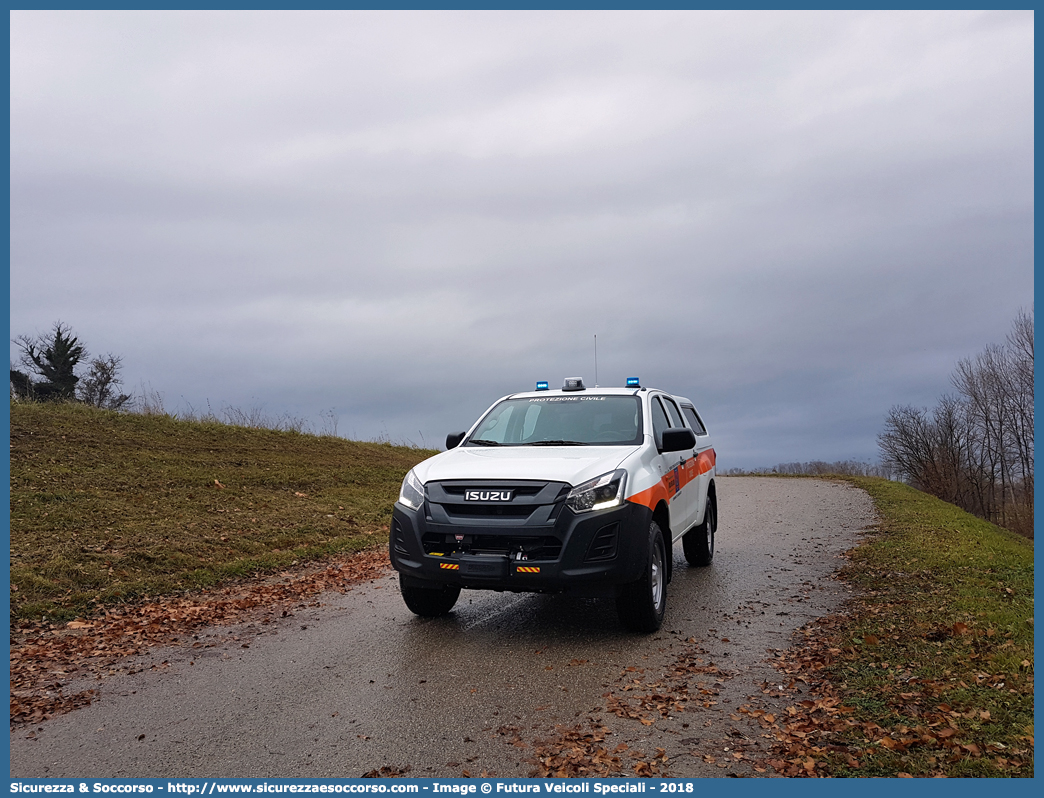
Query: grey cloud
[(797, 219)]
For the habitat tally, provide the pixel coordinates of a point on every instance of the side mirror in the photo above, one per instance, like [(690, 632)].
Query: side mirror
[(677, 438), (453, 439)]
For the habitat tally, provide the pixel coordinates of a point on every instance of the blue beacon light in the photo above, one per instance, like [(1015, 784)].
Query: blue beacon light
[(542, 385), (632, 382)]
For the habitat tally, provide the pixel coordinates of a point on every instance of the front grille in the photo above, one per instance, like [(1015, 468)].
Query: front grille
[(533, 504), (457, 489), (490, 510)]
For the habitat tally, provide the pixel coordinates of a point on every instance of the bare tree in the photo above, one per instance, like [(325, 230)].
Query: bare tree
[(907, 444), (1020, 349), (101, 386), (976, 448)]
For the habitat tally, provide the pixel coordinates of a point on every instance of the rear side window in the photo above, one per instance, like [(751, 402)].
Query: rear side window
[(659, 421), (672, 411), (694, 420)]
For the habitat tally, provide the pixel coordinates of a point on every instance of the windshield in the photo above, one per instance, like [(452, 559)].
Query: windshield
[(561, 421)]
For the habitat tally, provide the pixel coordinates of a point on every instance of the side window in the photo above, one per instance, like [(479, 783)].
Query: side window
[(672, 412), (694, 420), (659, 421)]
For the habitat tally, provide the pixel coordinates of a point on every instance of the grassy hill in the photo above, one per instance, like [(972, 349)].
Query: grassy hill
[(110, 506), (929, 671)]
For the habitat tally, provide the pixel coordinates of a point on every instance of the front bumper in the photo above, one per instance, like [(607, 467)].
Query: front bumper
[(587, 553)]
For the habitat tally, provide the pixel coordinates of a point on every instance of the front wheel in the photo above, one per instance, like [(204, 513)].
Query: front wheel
[(641, 604), (430, 602), (698, 542)]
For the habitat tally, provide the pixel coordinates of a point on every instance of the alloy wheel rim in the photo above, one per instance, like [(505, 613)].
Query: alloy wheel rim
[(710, 529), (657, 575)]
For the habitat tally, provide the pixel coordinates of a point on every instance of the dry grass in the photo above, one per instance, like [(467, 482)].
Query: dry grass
[(930, 671), (109, 507)]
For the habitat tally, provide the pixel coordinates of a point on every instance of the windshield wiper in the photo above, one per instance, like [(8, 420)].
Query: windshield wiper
[(555, 443), (482, 442)]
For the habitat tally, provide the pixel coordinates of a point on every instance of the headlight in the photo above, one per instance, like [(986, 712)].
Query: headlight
[(412, 492), (599, 493)]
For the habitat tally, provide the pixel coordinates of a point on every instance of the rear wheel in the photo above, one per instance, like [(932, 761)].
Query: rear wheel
[(698, 542), (429, 601), (641, 604)]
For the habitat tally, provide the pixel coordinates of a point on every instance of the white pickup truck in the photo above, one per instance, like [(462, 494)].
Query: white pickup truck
[(571, 490)]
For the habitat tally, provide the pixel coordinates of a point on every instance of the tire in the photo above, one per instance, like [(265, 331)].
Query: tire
[(641, 604), (698, 542), (429, 602)]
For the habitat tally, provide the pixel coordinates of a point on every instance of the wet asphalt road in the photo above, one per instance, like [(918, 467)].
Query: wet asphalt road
[(359, 683)]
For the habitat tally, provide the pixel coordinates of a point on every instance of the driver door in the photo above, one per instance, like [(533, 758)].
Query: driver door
[(676, 468)]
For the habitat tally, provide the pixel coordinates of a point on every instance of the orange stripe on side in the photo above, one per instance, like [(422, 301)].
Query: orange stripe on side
[(665, 489), (650, 497), (706, 460)]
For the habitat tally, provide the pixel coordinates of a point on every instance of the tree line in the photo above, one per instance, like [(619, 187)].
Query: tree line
[(50, 362), (975, 447), (817, 468)]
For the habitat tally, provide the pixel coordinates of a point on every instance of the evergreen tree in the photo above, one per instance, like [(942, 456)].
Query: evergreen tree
[(53, 358)]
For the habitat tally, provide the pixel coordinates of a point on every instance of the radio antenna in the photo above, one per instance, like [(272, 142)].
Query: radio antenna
[(596, 361)]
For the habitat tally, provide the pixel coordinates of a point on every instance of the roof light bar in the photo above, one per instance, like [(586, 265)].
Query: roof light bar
[(573, 384), (632, 382), (542, 385)]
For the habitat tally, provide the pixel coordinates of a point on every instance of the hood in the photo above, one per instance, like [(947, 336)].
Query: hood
[(572, 464)]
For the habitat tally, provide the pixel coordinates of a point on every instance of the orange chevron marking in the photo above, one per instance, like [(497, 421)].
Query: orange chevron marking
[(527, 569), (450, 566)]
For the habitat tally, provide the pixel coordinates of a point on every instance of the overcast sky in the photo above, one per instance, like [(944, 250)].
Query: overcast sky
[(797, 220)]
